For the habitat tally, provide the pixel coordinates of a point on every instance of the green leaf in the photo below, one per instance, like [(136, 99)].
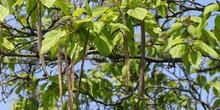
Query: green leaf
[(34, 104), (96, 11), (30, 6), (4, 12), (64, 7), (119, 25), (205, 48), (51, 38), (216, 85), (78, 22), (19, 88), (217, 32), (196, 19), (210, 8), (195, 58), (88, 10), (54, 79), (18, 2), (177, 50), (138, 13), (201, 80), (98, 74), (216, 103), (217, 22), (103, 44), (78, 12), (216, 88), (98, 26), (42, 87), (200, 27), (215, 91), (207, 87), (54, 51), (191, 30), (6, 43), (175, 26), (209, 34), (171, 42), (162, 10), (48, 3)]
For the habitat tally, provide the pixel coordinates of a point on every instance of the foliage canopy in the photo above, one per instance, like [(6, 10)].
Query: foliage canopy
[(110, 54)]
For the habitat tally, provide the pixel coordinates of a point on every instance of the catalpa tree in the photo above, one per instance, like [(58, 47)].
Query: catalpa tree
[(110, 54)]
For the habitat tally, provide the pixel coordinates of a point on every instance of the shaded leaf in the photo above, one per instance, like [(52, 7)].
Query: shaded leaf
[(162, 9), (209, 34), (103, 44), (216, 103), (207, 87), (201, 80), (195, 58), (217, 22)]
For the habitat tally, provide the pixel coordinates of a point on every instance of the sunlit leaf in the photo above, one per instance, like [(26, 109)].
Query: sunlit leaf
[(191, 30), (6, 43), (64, 7), (48, 3), (4, 12), (18, 2), (138, 13), (196, 19), (119, 25), (175, 27), (205, 48), (210, 8), (51, 38), (96, 11), (177, 50), (78, 12), (97, 26)]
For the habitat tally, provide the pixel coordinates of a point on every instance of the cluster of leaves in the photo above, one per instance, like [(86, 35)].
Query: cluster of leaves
[(182, 59)]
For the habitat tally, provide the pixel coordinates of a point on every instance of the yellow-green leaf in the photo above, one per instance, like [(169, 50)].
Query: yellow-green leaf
[(48, 3), (205, 48), (4, 12), (6, 43), (138, 13), (51, 38), (78, 12), (210, 8)]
